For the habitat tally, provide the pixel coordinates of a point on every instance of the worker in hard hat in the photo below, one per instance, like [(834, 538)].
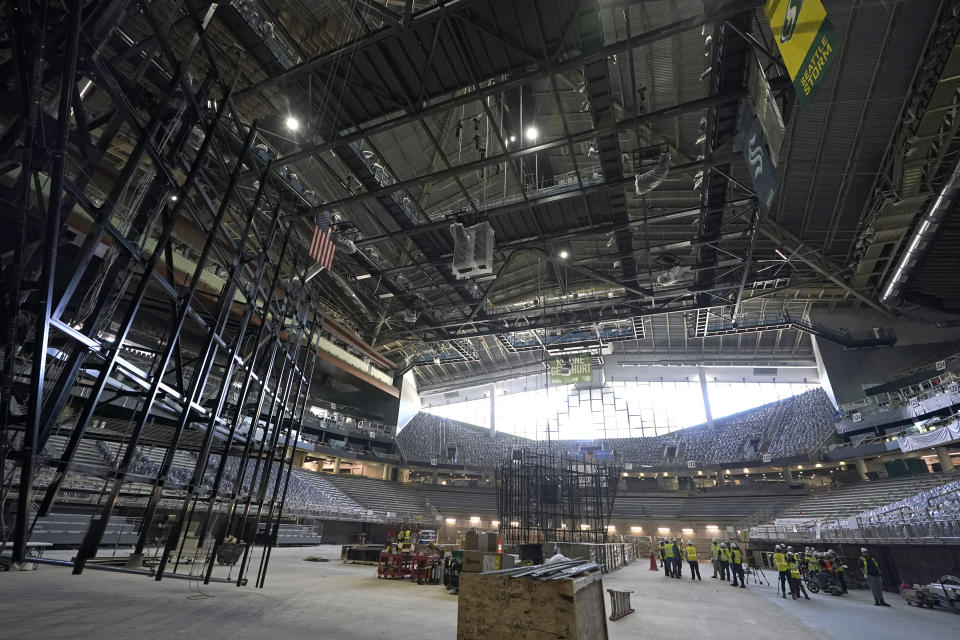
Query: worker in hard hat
[(783, 569), (871, 571), (736, 566), (724, 561), (677, 558), (693, 561), (796, 584), (715, 556), (668, 558), (839, 570)]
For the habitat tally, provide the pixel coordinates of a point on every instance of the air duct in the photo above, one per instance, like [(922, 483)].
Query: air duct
[(922, 236), (647, 182)]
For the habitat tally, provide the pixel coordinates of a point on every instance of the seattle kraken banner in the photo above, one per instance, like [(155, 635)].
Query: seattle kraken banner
[(759, 162), (806, 40)]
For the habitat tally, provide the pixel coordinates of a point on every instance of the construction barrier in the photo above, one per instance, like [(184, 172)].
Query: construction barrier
[(619, 603)]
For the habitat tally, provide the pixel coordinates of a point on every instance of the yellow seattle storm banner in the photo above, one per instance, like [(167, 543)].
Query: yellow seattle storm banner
[(806, 39)]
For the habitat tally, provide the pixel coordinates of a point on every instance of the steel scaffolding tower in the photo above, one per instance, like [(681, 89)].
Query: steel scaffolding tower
[(544, 497), (109, 335)]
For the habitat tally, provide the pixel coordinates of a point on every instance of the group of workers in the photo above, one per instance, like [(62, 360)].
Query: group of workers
[(727, 559), (825, 569)]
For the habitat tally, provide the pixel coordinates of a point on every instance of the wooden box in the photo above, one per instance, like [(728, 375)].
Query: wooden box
[(497, 606)]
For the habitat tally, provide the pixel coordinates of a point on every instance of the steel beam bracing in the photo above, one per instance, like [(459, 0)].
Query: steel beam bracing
[(122, 327)]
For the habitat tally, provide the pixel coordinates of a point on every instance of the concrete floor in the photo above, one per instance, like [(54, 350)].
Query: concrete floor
[(316, 600)]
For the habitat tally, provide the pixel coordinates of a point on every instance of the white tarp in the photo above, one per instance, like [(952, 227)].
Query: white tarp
[(943, 435)]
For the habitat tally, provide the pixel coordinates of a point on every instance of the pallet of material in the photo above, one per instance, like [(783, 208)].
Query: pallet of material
[(611, 555), (522, 607)]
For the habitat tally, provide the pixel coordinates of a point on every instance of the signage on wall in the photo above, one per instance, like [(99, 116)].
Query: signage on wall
[(807, 42), (857, 417), (767, 457), (570, 369), (941, 365), (691, 464)]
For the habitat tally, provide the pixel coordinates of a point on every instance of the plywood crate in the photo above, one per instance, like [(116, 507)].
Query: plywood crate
[(496, 606)]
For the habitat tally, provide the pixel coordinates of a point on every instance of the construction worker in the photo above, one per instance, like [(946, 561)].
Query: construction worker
[(736, 566), (668, 559), (677, 559), (692, 560), (871, 571), (839, 571), (715, 556), (813, 564), (724, 561), (783, 570), (796, 584)]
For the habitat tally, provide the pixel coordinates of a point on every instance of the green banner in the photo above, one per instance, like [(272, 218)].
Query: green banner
[(816, 63), (570, 370), (807, 42)]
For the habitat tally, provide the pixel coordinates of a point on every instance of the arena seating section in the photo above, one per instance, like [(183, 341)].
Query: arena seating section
[(791, 426)]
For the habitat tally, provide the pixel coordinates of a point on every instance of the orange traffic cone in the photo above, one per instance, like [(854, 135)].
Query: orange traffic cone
[(653, 562)]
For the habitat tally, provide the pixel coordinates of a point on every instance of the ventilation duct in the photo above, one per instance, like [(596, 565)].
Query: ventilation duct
[(923, 234), (343, 244), (647, 182), (472, 249)]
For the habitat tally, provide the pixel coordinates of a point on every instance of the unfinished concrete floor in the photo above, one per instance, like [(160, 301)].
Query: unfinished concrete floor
[(332, 600)]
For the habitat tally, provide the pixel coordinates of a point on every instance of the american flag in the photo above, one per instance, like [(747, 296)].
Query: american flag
[(321, 246)]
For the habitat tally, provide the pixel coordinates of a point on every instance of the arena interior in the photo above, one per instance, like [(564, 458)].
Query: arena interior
[(480, 319)]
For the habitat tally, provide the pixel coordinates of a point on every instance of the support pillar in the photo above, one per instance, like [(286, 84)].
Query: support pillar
[(336, 465), (946, 464), (435, 478), (861, 469), (386, 472), (706, 397), (493, 410), (787, 476)]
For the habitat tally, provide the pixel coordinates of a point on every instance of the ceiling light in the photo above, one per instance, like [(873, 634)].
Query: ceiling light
[(173, 198), (564, 254), (494, 523), (474, 518), (292, 123), (663, 529), (363, 276), (532, 133), (513, 138)]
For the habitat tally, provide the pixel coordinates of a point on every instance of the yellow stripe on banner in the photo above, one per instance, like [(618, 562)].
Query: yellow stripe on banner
[(794, 24)]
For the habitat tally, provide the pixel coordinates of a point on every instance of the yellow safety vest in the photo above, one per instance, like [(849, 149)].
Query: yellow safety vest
[(812, 565), (691, 552), (662, 552), (668, 550), (714, 550), (794, 568), (781, 561), (737, 556), (724, 554)]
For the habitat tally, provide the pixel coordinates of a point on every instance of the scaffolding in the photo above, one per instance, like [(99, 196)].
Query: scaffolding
[(545, 497)]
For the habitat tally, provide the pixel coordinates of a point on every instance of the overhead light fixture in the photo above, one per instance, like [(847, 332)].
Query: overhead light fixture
[(640, 529), (532, 133), (173, 198), (564, 254), (362, 276), (451, 521), (474, 518), (818, 465), (292, 123), (663, 529), (687, 531), (494, 523), (712, 527), (513, 138)]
